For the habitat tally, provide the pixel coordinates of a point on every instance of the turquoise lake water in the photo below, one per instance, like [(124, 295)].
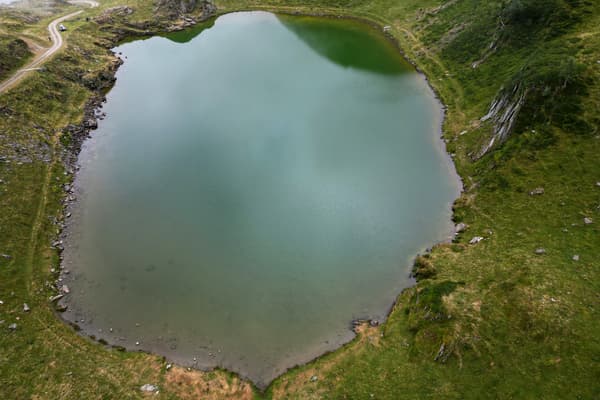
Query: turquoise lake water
[(257, 184)]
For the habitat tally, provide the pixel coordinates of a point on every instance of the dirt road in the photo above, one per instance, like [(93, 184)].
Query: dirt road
[(57, 42)]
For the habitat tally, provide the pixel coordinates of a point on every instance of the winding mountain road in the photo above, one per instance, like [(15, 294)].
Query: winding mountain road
[(57, 43)]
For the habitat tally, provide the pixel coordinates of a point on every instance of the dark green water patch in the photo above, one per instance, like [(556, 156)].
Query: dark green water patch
[(348, 43), (253, 189)]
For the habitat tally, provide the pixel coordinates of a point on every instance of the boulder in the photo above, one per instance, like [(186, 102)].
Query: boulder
[(148, 388), (587, 220), (537, 191), (540, 250), (55, 298), (476, 240), (460, 227)]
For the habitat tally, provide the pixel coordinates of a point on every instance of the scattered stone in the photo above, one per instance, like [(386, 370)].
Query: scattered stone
[(8, 257), (537, 191), (57, 297), (12, 327), (387, 28), (587, 220), (68, 215), (440, 354), (598, 184), (91, 124), (169, 366), (576, 257), (476, 240), (26, 308), (148, 388), (373, 323), (460, 227), (314, 378), (540, 251), (462, 133), (65, 289), (137, 343), (1, 302)]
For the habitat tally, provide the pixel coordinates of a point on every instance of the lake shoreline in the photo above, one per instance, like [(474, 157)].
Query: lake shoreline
[(93, 112)]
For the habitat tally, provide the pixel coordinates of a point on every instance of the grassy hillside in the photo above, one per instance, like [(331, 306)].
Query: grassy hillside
[(13, 53), (487, 320)]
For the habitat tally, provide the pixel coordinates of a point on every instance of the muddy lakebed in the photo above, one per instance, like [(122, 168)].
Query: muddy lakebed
[(258, 183)]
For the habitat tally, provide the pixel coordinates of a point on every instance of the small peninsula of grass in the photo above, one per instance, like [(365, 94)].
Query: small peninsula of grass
[(511, 315)]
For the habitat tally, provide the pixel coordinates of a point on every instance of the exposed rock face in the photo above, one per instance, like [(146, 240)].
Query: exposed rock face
[(110, 14), (503, 115), (181, 7)]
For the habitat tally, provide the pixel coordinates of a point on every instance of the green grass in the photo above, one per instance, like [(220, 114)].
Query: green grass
[(13, 54), (491, 320)]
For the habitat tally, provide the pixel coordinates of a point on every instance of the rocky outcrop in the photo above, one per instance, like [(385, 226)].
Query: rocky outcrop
[(110, 14), (503, 114), (175, 8)]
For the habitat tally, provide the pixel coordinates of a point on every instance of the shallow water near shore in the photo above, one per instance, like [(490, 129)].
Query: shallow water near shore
[(255, 187)]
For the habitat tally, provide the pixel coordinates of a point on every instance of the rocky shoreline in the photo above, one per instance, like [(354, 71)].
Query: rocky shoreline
[(74, 135)]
